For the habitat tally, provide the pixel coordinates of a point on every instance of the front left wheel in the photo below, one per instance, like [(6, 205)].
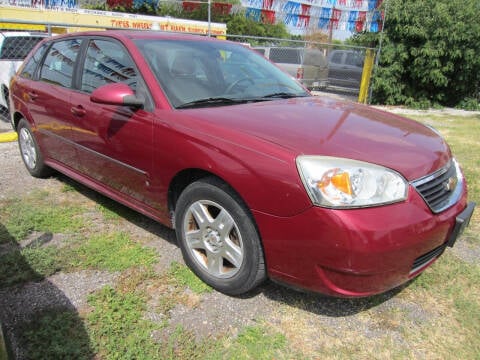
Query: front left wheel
[(218, 238)]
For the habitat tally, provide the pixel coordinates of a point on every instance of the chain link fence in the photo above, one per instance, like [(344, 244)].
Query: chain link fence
[(321, 67), (14, 47)]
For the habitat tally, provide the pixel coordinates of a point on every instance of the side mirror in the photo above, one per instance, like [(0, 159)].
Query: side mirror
[(116, 94)]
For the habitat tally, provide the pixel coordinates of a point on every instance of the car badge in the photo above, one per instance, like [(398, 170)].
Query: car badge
[(450, 184)]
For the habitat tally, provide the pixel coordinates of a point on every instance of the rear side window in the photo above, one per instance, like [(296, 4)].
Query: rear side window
[(107, 62), (32, 64), (59, 63), (285, 56), (18, 47)]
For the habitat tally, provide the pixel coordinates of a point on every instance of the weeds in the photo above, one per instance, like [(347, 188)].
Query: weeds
[(185, 277), (113, 252)]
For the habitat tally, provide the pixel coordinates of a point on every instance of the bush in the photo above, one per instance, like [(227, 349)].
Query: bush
[(430, 53)]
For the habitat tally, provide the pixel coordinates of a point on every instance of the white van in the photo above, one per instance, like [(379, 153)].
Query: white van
[(309, 66)]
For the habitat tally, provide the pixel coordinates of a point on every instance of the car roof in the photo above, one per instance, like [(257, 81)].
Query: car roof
[(140, 34)]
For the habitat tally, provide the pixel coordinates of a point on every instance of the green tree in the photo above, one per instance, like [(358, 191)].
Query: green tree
[(240, 25), (430, 53)]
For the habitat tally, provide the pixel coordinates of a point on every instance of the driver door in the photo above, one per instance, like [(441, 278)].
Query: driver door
[(114, 142)]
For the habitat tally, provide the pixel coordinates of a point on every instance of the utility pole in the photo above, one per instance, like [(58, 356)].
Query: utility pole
[(209, 17)]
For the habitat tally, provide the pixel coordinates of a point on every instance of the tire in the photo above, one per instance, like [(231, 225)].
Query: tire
[(30, 152), (218, 238)]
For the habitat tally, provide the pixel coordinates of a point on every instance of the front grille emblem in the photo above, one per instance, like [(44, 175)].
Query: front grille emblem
[(450, 184)]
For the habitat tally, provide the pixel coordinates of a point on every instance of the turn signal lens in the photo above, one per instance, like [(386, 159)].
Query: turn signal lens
[(340, 181)]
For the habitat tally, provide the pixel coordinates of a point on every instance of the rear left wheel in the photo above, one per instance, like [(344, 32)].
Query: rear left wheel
[(31, 155)]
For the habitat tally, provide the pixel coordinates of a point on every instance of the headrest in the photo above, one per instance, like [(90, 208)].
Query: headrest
[(183, 65)]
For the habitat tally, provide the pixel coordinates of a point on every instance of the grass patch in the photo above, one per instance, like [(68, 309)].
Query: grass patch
[(454, 287), (181, 344), (68, 188), (185, 277), (40, 212), (113, 252), (117, 315), (114, 211), (117, 327), (256, 343), (19, 266), (5, 236), (60, 335), (108, 213)]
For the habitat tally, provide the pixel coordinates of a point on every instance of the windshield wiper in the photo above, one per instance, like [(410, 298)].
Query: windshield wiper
[(219, 101), (212, 101), (283, 95)]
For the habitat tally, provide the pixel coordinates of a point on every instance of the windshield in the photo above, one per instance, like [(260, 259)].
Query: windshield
[(213, 73)]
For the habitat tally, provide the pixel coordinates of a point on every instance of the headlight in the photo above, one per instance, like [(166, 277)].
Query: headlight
[(345, 183)]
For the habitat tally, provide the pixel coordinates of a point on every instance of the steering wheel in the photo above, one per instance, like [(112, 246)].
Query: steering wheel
[(234, 84)]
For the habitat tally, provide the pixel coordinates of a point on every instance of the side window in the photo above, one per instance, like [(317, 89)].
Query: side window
[(337, 58), (107, 62), (32, 64), (58, 66), (351, 59), (285, 55)]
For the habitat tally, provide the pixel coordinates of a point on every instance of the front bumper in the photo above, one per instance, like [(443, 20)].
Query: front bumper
[(358, 252)]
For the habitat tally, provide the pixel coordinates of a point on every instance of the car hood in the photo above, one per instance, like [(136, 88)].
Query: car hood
[(325, 126)]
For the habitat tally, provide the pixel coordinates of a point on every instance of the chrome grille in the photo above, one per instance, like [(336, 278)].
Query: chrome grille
[(441, 189)]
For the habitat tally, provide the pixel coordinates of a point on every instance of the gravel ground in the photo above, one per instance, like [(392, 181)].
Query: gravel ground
[(298, 315)]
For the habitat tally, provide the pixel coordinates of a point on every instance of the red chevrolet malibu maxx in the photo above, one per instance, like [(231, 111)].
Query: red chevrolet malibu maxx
[(258, 178)]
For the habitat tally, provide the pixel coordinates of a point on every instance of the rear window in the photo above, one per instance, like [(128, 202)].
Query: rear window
[(18, 47), (285, 56), (32, 64)]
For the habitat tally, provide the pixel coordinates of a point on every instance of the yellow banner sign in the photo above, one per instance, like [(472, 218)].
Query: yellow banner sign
[(75, 19)]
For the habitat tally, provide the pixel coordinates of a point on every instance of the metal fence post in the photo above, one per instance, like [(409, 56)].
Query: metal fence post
[(366, 76)]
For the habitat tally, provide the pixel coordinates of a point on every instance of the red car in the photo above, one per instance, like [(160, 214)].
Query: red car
[(258, 178)]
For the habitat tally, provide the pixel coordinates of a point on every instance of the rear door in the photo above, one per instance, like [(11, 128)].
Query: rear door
[(49, 102)]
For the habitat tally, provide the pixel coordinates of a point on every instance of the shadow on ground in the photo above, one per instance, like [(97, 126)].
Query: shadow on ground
[(38, 320)]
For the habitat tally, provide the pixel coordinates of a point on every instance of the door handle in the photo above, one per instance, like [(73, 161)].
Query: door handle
[(78, 110), (32, 94)]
